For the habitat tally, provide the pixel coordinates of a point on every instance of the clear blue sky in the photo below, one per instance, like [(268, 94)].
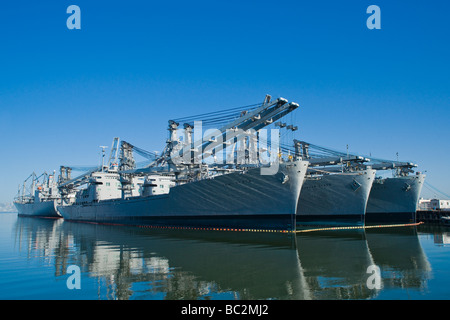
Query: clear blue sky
[(136, 64)]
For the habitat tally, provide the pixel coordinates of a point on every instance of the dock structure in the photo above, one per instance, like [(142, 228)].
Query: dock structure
[(431, 216)]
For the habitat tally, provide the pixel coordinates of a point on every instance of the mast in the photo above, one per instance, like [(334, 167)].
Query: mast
[(126, 163), (103, 156)]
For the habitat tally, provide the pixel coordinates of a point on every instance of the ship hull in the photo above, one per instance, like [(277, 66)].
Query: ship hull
[(235, 200), (335, 199), (38, 209), (394, 199)]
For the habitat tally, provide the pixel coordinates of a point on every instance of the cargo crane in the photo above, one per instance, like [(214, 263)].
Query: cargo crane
[(22, 195), (185, 158), (327, 157), (322, 156), (182, 159)]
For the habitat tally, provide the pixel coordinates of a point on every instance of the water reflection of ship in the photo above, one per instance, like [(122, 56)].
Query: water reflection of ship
[(334, 264), (42, 238), (181, 264), (398, 253), (130, 262)]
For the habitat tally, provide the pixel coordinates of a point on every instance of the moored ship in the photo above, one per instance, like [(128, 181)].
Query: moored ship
[(41, 201), (395, 199), (335, 199), (181, 189), (244, 199), (335, 191), (390, 199)]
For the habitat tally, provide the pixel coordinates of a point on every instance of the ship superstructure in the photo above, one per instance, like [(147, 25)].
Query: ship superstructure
[(252, 187)]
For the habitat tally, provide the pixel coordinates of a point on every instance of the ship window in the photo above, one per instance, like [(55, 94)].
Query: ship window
[(107, 184)]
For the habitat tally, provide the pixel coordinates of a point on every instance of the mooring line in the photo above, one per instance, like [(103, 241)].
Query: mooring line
[(168, 227), (361, 227)]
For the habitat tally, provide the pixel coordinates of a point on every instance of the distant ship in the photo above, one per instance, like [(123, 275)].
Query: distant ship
[(41, 200), (193, 193)]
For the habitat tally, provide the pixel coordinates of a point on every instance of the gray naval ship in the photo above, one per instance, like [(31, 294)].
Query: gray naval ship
[(335, 191), (42, 196), (395, 199), (180, 188), (342, 188)]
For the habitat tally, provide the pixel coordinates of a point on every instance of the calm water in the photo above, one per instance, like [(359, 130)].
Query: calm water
[(135, 263)]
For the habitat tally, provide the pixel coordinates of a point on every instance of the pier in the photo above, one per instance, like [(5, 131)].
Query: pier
[(431, 216)]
